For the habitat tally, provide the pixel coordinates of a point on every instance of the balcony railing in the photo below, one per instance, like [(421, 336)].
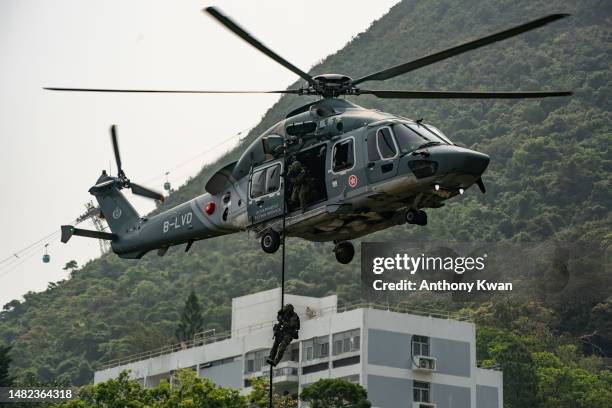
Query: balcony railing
[(210, 336)]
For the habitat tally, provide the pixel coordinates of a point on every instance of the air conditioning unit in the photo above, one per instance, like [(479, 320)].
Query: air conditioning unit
[(423, 405), (425, 363)]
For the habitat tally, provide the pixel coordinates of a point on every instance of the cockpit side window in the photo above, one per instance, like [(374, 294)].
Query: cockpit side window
[(386, 145), (343, 157), (372, 149)]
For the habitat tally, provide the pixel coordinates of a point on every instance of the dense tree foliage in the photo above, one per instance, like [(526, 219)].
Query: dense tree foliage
[(5, 362), (187, 390), (549, 179), (335, 393), (191, 318)]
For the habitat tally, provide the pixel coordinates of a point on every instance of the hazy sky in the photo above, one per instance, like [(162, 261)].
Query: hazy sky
[(54, 145)]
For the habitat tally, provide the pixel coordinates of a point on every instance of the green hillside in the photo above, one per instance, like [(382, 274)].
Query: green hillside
[(549, 178)]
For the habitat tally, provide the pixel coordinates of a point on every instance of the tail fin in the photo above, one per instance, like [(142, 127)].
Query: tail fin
[(116, 209)]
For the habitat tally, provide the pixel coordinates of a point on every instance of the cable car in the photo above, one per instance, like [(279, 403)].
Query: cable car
[(46, 258), (167, 185)]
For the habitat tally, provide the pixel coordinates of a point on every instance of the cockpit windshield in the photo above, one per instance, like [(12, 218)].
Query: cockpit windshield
[(410, 137), (407, 138), (434, 131)]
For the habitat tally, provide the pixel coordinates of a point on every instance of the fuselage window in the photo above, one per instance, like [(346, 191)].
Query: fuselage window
[(265, 181), (272, 146), (386, 146), (273, 176), (343, 156), (258, 183)]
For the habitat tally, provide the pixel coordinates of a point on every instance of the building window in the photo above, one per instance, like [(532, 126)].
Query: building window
[(343, 156), (254, 361), (315, 348), (307, 349), (223, 361), (346, 342), (420, 346), (315, 368), (421, 392), (346, 361)]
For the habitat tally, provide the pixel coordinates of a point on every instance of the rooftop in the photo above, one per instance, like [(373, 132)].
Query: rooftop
[(306, 313)]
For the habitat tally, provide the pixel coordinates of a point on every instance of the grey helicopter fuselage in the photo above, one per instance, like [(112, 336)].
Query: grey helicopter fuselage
[(356, 170), (368, 169)]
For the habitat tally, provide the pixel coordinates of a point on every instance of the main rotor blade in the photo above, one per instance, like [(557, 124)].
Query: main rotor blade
[(287, 91), (240, 32), (146, 192), (459, 94), (451, 52), (113, 131)]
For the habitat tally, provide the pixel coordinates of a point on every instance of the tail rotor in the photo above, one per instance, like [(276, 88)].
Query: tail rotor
[(122, 178)]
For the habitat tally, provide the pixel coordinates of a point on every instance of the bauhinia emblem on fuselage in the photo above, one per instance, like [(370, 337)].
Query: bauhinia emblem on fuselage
[(117, 213), (352, 181), (178, 222)]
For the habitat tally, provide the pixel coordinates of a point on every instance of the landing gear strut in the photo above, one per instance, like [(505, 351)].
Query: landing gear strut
[(270, 241), (345, 251), (416, 217)]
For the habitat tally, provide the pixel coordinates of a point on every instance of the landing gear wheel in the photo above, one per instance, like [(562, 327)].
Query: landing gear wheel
[(345, 251), (412, 216), (421, 218), (416, 217), (270, 241)]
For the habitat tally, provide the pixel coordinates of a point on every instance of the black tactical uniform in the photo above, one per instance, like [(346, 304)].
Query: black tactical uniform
[(301, 182), (284, 332)]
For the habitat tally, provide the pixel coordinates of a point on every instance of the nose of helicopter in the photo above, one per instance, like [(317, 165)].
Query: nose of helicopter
[(452, 167), (458, 160), (474, 163)]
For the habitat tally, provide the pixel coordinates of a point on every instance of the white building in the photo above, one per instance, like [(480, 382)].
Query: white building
[(403, 358)]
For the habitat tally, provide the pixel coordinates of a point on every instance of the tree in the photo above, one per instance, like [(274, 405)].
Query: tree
[(260, 396), (187, 391), (494, 346), (5, 361), (562, 386), (71, 265), (335, 393), (192, 321)]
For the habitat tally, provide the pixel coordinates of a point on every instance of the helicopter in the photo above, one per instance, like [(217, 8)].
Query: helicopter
[(369, 170)]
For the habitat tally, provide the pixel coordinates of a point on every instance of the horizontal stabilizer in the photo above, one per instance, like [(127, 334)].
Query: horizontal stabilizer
[(68, 231)]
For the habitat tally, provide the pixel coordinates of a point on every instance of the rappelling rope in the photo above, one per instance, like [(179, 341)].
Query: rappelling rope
[(284, 173)]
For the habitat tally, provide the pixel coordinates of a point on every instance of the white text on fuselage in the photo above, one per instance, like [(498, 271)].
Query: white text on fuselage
[(178, 222)]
